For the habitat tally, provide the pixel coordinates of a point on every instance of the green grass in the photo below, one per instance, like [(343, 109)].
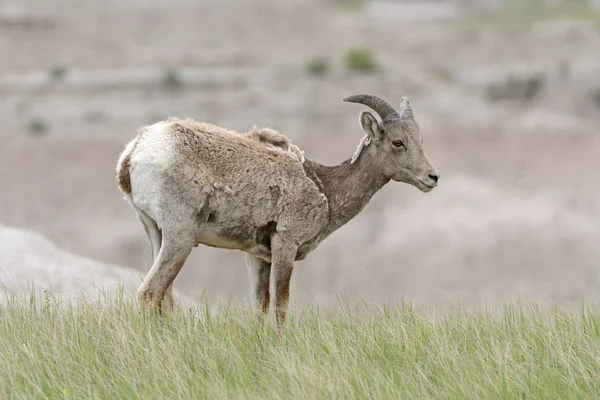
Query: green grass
[(113, 351)]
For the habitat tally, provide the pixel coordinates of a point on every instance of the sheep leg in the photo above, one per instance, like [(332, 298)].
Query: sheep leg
[(168, 299), (167, 265), (153, 232), (283, 254), (260, 272), (155, 237)]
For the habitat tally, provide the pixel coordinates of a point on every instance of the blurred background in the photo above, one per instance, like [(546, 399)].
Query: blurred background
[(507, 94)]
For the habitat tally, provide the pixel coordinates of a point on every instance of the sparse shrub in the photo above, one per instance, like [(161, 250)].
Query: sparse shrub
[(348, 5), (171, 78), (532, 87), (318, 66), (360, 59), (443, 73), (58, 72), (37, 126), (525, 89), (596, 96)]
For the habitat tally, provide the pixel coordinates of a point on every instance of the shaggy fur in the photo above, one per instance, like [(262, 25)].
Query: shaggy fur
[(277, 141), (196, 183)]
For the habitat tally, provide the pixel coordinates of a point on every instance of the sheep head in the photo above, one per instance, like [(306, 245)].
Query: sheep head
[(397, 141)]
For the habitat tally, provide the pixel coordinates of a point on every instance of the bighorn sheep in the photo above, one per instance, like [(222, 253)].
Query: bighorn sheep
[(195, 183)]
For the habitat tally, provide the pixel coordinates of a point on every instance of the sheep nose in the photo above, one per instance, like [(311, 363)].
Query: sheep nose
[(434, 177)]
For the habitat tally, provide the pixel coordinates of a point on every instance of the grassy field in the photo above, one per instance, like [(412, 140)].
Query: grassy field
[(111, 350)]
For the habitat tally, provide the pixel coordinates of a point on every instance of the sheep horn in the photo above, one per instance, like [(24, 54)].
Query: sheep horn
[(407, 112), (381, 107)]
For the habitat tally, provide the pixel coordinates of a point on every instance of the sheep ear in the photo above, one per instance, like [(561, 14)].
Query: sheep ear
[(370, 125)]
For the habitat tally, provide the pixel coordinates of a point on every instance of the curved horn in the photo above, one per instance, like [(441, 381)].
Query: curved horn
[(381, 107)]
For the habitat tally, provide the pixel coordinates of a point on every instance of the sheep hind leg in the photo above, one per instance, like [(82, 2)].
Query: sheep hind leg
[(170, 259), (260, 272), (155, 238), (152, 231)]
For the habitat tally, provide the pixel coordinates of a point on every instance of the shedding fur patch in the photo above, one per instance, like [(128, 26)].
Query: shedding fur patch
[(364, 142), (124, 175), (276, 141), (124, 165)]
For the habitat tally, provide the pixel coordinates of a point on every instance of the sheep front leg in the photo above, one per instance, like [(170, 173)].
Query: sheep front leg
[(283, 254)]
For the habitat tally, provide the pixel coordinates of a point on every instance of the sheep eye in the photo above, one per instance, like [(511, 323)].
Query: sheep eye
[(398, 143)]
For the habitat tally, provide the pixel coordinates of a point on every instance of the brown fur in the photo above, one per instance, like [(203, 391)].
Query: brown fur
[(269, 136), (203, 184), (124, 177), (124, 168), (273, 138)]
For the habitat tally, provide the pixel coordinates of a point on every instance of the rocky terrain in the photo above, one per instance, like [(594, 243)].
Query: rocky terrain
[(31, 262), (509, 107)]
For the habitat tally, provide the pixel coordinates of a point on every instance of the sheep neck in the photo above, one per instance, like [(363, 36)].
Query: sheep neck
[(349, 187)]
